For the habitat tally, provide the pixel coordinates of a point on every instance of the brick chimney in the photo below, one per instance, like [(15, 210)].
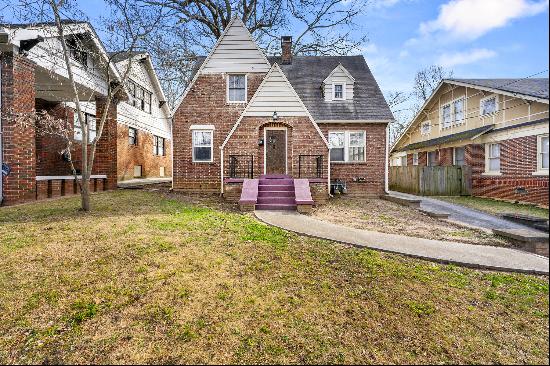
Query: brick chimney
[(286, 47)]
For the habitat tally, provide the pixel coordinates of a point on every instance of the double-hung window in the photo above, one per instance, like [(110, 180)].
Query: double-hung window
[(132, 136), (488, 105), (347, 146), (432, 158), (458, 111), (140, 97), (446, 116), (542, 154), (203, 146), (92, 127), (158, 145), (459, 156), (338, 91), (236, 88), (415, 158), (492, 163)]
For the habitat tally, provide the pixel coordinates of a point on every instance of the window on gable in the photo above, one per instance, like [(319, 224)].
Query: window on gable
[(202, 146), (77, 51), (338, 91), (488, 105), (446, 116), (458, 111), (139, 97), (347, 146), (425, 128), (236, 88)]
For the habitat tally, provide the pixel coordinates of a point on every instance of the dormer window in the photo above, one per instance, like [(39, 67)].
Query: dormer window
[(338, 85), (338, 91)]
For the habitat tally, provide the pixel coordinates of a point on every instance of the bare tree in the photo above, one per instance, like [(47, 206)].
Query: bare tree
[(126, 33), (405, 105), (191, 27)]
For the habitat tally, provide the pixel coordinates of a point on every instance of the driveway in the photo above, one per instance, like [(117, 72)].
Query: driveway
[(478, 256), (463, 214)]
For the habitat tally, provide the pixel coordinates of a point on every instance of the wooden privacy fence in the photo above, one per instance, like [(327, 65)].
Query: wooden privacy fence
[(432, 180)]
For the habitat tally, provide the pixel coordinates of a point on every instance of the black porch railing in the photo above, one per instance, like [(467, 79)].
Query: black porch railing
[(241, 166), (310, 166)]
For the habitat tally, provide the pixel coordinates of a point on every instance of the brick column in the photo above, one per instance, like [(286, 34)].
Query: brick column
[(106, 153), (19, 144), (446, 156)]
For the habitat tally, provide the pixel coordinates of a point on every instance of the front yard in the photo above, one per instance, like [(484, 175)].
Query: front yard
[(497, 207), (392, 218), (150, 278)]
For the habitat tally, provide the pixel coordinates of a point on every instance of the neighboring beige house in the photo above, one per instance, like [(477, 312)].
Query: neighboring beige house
[(499, 127)]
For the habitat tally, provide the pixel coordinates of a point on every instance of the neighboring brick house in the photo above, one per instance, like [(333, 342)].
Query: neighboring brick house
[(499, 127), (34, 77), (247, 116)]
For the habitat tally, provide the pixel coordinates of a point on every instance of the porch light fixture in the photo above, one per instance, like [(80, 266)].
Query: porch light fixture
[(275, 116)]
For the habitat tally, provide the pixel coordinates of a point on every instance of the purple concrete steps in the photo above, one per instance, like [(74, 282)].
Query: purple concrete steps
[(276, 192)]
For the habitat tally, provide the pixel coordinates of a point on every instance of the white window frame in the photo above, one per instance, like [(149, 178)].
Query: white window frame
[(130, 128), (487, 98), (245, 89), (442, 119), (343, 91), (454, 155), (453, 111), (415, 159), (211, 145), (540, 169), (92, 132), (157, 151), (488, 171), (347, 146), (426, 123)]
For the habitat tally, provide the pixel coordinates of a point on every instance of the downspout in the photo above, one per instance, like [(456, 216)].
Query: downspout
[(330, 195), (221, 167), (386, 162)]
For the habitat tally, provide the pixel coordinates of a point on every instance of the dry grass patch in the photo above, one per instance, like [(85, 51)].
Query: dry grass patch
[(388, 217), (146, 279), (497, 207)]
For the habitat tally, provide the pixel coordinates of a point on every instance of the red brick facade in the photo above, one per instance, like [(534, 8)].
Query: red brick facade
[(19, 147), (205, 104), (366, 178), (518, 162), (129, 156)]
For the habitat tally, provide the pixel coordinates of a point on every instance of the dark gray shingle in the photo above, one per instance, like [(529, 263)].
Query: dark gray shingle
[(533, 87)]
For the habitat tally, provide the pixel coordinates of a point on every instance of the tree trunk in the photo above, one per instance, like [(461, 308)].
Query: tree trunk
[(85, 193)]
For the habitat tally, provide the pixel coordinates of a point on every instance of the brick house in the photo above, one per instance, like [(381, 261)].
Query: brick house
[(34, 78), (499, 127), (247, 119)]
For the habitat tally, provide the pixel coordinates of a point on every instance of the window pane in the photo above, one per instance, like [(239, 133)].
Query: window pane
[(336, 139), (544, 152), (489, 106), (338, 91), (203, 138), (356, 154), (495, 151), (446, 116), (357, 139), (459, 156), (494, 164), (337, 154), (459, 111), (203, 153), (426, 127)]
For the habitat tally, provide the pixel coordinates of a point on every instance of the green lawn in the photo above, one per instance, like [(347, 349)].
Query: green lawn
[(497, 207), (146, 279)]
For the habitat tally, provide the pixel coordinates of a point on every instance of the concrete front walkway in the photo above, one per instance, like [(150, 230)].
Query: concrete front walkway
[(478, 256), (463, 214)]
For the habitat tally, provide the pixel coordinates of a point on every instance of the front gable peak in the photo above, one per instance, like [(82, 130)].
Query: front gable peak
[(235, 52)]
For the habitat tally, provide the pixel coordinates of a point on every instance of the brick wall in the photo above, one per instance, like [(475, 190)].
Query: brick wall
[(446, 156), (106, 151), (302, 139), (18, 96), (205, 104), (373, 170), (141, 154), (518, 159)]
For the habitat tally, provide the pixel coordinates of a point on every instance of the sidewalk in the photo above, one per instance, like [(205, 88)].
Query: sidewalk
[(477, 256), (463, 214)]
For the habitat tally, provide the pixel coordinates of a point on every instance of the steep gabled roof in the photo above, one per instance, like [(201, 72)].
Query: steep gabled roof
[(527, 87), (277, 75), (341, 68)]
